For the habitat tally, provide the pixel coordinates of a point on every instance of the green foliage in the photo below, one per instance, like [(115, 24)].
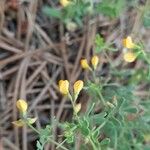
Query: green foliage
[(72, 13), (111, 8), (44, 136), (99, 42), (146, 19), (53, 12), (69, 130), (100, 45)]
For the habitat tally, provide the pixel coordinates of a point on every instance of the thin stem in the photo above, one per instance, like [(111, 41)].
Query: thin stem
[(34, 129), (93, 145), (61, 144), (102, 98), (109, 115), (58, 145), (73, 104), (94, 75)]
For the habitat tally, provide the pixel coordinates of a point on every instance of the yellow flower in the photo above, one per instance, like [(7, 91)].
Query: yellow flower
[(64, 87), (95, 61), (84, 64), (78, 85), (77, 108), (64, 3), (129, 57), (18, 123), (22, 105), (128, 42)]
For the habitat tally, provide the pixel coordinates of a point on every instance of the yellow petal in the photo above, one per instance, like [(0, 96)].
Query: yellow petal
[(129, 57), (18, 123), (78, 85), (31, 120), (128, 42), (95, 61), (84, 64), (22, 105), (64, 87), (77, 108), (64, 3)]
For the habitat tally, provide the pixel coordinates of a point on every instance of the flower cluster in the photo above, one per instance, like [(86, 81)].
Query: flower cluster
[(94, 62), (77, 87), (129, 56)]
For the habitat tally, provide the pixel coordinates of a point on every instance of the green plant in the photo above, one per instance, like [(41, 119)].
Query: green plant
[(122, 121)]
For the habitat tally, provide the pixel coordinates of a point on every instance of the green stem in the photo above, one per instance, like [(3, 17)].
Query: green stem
[(58, 145), (34, 129), (93, 145), (109, 115), (94, 76), (102, 98), (73, 104), (61, 143)]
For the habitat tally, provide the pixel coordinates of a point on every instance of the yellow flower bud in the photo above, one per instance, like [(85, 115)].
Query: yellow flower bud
[(64, 87), (129, 57), (77, 108), (84, 64), (18, 123), (78, 85), (128, 42), (110, 105), (71, 26), (95, 61), (22, 105), (64, 3)]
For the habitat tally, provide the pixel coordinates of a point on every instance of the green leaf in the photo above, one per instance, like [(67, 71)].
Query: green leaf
[(99, 42), (98, 119), (131, 109), (39, 146), (106, 141), (51, 12), (146, 19), (111, 8)]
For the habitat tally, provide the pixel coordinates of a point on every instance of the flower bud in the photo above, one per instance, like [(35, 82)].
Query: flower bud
[(78, 85), (18, 123), (71, 26), (64, 3), (129, 57), (95, 61), (22, 105), (128, 42), (77, 108), (84, 64), (64, 87), (110, 105)]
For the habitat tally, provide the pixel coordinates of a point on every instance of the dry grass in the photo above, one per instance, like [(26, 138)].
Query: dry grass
[(36, 52)]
